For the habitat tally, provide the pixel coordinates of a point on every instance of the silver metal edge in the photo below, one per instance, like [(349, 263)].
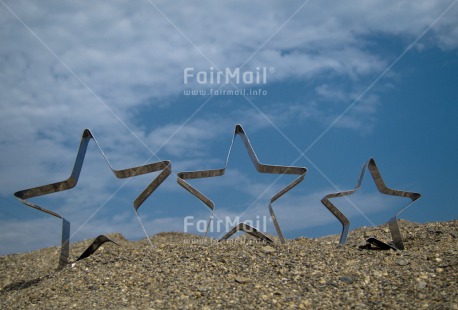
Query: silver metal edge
[(263, 168), (71, 182), (382, 188)]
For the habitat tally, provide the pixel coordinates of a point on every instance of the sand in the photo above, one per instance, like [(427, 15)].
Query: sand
[(184, 271)]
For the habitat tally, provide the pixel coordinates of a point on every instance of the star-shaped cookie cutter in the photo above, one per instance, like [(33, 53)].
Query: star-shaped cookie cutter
[(382, 188), (273, 169), (71, 182)]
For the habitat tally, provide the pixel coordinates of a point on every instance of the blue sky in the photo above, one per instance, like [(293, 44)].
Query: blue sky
[(345, 82)]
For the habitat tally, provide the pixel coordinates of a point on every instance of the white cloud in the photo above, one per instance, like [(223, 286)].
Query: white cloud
[(188, 140), (27, 235)]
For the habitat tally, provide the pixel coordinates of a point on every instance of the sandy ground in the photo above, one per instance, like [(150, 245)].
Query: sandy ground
[(187, 272)]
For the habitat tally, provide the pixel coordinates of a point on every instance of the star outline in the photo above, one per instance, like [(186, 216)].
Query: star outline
[(382, 188), (260, 167), (72, 181)]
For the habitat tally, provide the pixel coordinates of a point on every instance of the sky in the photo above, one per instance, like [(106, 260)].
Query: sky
[(324, 85)]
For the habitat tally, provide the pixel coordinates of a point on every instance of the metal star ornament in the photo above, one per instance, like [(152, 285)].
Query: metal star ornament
[(382, 188), (272, 169), (71, 182)]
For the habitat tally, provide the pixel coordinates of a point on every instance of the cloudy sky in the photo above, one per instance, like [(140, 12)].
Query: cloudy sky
[(339, 82)]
